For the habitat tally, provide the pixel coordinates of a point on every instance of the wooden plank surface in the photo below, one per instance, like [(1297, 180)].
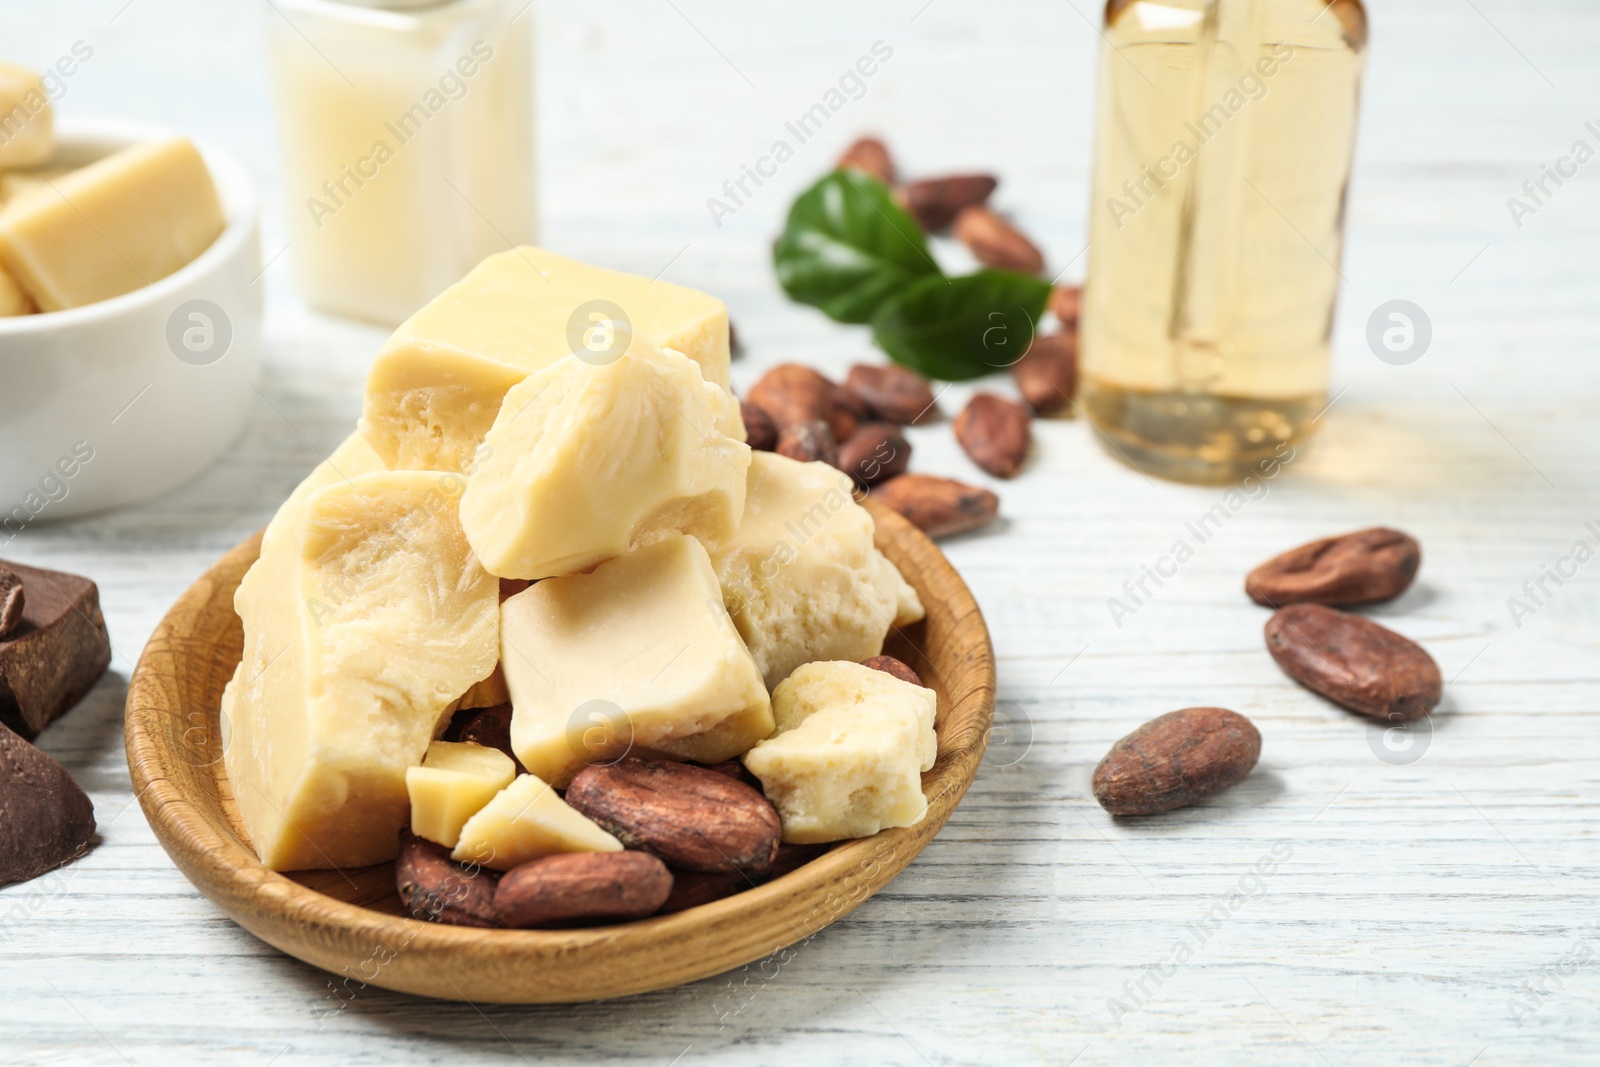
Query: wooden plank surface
[(1347, 904)]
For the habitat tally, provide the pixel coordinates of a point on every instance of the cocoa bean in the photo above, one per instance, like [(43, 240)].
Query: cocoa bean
[(939, 507), (808, 442), (559, 889), (995, 432), (436, 889), (1047, 377), (791, 393), (995, 242), (689, 816), (1067, 302), (759, 431), (1354, 568), (1176, 760), (936, 201), (1354, 662), (489, 727), (874, 453), (893, 393), (891, 666), (870, 156)]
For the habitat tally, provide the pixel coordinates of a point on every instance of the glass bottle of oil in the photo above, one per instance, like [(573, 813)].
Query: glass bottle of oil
[(407, 131), (1222, 157)]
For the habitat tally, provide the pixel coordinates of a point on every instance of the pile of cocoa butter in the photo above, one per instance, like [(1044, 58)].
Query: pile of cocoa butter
[(691, 834)]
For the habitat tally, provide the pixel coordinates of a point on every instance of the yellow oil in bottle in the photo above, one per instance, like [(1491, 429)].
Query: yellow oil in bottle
[(1222, 157)]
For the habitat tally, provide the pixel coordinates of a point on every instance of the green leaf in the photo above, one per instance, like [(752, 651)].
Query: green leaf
[(848, 246), (960, 328)]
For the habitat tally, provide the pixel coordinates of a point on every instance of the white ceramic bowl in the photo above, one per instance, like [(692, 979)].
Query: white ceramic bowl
[(120, 401)]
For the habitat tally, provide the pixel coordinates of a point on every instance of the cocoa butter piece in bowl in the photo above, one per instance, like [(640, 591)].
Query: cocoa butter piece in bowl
[(1354, 662), (876, 452), (759, 432), (1363, 567), (51, 657), (995, 432), (891, 666), (939, 507), (435, 888), (691, 817), (893, 393), (1176, 760), (809, 441), (561, 889), (46, 820)]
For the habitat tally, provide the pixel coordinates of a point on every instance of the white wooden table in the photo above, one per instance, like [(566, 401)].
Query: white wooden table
[(1432, 910)]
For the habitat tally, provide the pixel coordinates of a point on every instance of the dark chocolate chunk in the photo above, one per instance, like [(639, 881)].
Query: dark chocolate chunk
[(55, 654), (45, 819)]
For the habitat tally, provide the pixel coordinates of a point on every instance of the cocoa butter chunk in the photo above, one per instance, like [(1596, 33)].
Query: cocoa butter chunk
[(557, 890), (1354, 662), (1363, 567), (691, 817), (54, 653), (1177, 760), (435, 889), (939, 507), (45, 819)]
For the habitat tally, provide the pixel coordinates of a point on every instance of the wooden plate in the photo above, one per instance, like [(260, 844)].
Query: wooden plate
[(351, 922)]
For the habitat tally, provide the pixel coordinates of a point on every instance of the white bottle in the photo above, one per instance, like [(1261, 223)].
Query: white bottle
[(407, 130)]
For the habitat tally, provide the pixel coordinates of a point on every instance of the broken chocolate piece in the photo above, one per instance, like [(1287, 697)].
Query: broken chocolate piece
[(55, 654), (45, 819)]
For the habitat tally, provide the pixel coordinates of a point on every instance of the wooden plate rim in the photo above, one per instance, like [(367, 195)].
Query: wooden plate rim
[(298, 919)]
